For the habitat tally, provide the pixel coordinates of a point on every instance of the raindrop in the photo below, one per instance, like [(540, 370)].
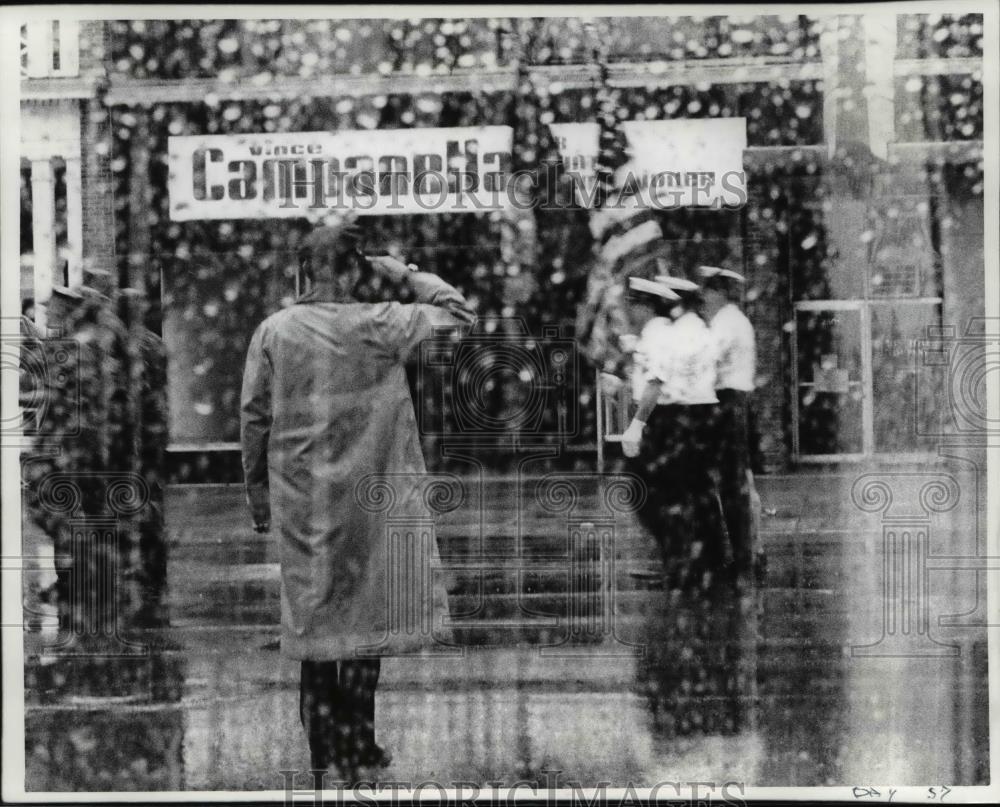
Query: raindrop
[(428, 104)]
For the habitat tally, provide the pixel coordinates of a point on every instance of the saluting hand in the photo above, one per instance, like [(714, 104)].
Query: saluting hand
[(389, 267)]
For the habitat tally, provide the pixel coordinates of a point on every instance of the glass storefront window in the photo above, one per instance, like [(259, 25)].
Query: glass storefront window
[(897, 383), (831, 389)]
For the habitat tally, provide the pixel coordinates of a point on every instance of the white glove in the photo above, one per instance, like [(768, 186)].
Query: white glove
[(632, 438)]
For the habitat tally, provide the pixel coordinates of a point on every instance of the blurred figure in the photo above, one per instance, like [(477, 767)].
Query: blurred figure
[(649, 307), (325, 403), (30, 390), (696, 674), (670, 438), (147, 408), (28, 309), (735, 371), (105, 407)]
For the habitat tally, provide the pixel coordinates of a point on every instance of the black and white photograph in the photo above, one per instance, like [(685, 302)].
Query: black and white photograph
[(573, 403)]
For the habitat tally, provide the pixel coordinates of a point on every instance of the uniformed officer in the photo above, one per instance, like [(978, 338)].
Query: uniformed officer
[(735, 371), (648, 312), (670, 440)]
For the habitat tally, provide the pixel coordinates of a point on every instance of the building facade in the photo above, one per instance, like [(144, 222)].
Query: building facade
[(861, 238)]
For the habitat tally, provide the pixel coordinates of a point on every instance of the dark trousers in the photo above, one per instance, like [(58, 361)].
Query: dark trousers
[(682, 508), (337, 706), (733, 452)]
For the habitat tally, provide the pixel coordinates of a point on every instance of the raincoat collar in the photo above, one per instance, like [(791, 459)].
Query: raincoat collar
[(324, 295)]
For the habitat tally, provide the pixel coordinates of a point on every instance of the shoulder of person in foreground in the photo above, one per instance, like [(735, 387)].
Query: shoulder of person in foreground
[(266, 328)]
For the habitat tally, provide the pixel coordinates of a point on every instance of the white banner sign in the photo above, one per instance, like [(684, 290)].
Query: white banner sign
[(674, 163), (382, 173)]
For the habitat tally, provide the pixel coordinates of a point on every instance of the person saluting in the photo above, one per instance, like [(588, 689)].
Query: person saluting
[(325, 403)]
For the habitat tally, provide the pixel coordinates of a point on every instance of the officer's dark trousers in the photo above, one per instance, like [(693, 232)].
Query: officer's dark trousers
[(337, 706), (695, 673), (733, 465), (682, 507)]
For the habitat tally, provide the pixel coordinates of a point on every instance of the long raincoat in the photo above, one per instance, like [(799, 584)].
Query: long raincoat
[(328, 433)]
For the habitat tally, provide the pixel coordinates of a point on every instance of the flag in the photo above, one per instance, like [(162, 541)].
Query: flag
[(546, 242), (625, 235)]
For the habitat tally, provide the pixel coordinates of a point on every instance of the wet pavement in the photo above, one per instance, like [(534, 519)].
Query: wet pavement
[(551, 667)]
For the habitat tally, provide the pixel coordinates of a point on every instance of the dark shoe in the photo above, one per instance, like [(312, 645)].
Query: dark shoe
[(377, 757), (760, 568)]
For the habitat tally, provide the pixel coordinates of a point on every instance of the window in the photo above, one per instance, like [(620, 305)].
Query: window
[(50, 48)]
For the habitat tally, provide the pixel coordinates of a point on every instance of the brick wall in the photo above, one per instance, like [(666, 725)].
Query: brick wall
[(767, 271), (95, 139)]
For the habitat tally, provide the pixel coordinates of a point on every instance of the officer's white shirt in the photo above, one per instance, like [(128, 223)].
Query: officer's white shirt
[(737, 354), (688, 370), (654, 341), (682, 356)]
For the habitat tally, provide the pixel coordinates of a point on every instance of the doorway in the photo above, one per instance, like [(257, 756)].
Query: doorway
[(856, 391)]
